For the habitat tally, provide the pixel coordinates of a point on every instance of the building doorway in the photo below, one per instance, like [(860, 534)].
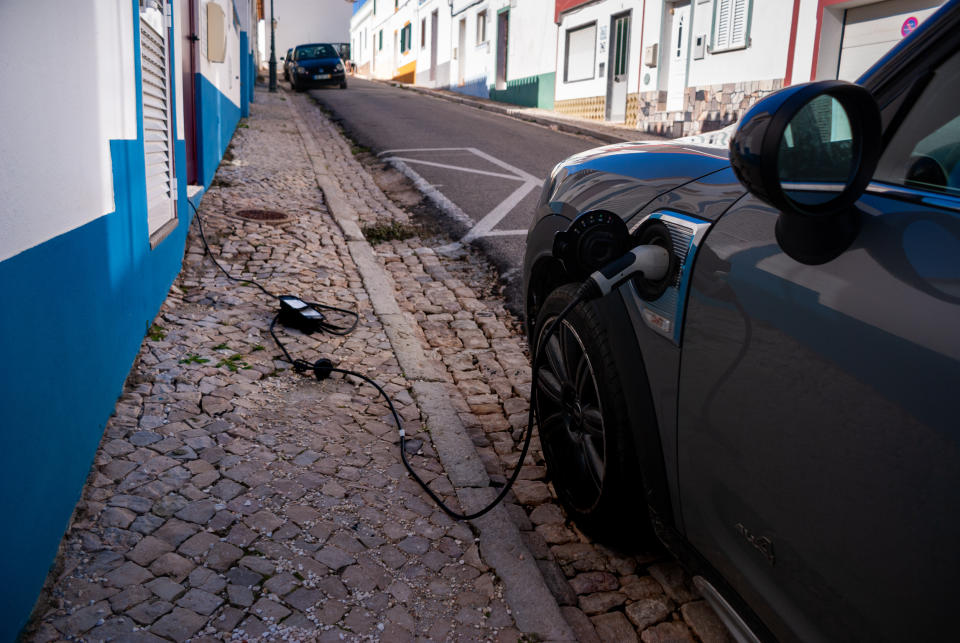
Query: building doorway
[(461, 54), (618, 68), (433, 45), (188, 77), (503, 38), (677, 57)]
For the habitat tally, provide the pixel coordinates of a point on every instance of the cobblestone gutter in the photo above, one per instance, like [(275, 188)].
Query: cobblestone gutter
[(232, 499)]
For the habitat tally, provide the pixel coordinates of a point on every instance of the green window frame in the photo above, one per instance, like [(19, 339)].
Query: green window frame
[(380, 44)]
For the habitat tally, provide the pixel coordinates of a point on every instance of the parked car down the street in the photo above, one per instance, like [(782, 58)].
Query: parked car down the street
[(287, 63), (317, 65), (781, 413)]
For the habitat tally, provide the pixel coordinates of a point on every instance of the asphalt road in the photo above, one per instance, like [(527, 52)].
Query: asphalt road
[(490, 167)]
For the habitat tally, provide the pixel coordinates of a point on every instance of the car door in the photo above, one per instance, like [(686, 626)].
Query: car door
[(818, 436)]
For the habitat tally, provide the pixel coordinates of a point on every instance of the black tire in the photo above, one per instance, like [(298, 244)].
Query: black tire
[(584, 426), (343, 84)]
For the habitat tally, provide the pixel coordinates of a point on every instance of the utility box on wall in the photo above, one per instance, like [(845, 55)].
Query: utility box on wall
[(699, 47), (650, 55), (216, 33)]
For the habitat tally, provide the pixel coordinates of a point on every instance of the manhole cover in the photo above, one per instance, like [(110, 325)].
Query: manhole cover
[(263, 216)]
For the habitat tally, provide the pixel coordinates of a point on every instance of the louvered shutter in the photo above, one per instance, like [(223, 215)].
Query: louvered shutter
[(157, 124), (730, 24)]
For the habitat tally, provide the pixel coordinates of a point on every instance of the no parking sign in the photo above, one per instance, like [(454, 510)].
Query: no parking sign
[(908, 26)]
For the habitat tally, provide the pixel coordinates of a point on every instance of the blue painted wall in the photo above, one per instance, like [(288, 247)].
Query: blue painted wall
[(74, 312), (476, 87), (102, 286), (217, 118)]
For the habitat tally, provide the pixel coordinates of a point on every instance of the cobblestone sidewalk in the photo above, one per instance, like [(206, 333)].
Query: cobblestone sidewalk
[(452, 297), (231, 499)]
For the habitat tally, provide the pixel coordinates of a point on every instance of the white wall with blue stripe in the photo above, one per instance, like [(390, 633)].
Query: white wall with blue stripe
[(80, 278)]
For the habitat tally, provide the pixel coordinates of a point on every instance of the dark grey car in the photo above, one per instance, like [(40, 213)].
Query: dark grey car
[(779, 411)]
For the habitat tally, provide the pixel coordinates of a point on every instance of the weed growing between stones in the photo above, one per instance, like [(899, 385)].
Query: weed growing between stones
[(392, 231), (156, 333)]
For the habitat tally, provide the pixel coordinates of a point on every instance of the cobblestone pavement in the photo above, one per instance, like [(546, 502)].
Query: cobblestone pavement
[(231, 499)]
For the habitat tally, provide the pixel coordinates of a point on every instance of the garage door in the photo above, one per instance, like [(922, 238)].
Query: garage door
[(872, 30)]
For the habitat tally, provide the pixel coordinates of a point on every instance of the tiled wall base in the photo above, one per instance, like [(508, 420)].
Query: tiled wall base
[(707, 108)]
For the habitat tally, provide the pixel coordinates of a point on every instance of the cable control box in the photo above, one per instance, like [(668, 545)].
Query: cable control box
[(296, 313)]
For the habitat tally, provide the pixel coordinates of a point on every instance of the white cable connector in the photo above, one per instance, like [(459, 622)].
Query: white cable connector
[(652, 262)]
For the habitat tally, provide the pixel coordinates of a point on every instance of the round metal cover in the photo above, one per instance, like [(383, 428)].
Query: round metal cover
[(263, 216)]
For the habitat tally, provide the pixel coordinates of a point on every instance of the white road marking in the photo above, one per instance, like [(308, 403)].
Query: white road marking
[(439, 198), (525, 175), (506, 233), (484, 227), (455, 167), (427, 149)]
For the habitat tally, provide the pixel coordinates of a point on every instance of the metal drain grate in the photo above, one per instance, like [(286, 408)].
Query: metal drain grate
[(263, 216)]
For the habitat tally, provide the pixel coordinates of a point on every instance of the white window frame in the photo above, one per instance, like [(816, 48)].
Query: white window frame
[(481, 26), (731, 25), (566, 53), (161, 179)]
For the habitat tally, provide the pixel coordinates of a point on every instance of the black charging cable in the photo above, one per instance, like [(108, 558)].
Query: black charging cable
[(322, 324), (323, 368), (598, 284), (206, 247), (582, 295)]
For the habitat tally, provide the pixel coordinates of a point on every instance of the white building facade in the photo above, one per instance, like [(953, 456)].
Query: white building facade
[(434, 42), (681, 67)]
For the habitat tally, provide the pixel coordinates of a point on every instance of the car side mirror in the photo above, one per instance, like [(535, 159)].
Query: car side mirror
[(810, 150)]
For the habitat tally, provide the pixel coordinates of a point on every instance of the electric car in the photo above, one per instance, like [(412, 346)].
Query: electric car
[(779, 408), (316, 65)]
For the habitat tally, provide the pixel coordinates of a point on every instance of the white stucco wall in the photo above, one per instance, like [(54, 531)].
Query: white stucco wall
[(390, 19), (478, 57), (765, 56), (225, 76), (425, 10), (533, 39), (600, 13), (360, 34), (57, 173)]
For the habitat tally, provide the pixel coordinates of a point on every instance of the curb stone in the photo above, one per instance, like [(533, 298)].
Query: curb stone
[(535, 609)]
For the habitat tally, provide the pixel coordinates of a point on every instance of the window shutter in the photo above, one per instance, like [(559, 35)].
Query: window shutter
[(730, 24), (157, 125), (738, 24)]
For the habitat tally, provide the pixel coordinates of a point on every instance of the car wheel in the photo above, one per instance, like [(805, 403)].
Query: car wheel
[(343, 84), (584, 425)]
